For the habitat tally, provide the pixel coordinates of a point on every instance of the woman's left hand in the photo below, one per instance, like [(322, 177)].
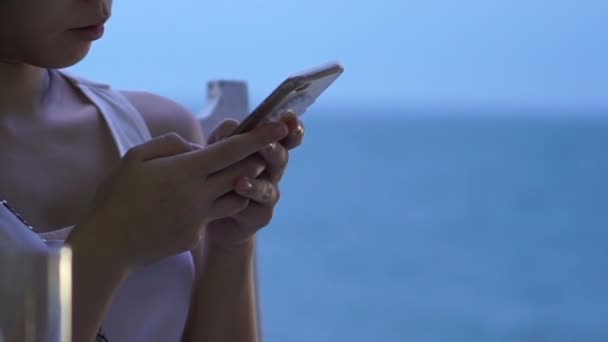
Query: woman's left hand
[(262, 192)]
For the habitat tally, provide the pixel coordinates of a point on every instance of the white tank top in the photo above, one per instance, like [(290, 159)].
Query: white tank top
[(153, 303)]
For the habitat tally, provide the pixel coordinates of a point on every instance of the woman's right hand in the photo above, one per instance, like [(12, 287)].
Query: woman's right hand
[(157, 202)]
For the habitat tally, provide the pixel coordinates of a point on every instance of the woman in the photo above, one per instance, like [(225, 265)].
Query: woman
[(126, 180)]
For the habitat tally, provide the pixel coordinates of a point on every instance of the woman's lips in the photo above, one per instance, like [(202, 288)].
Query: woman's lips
[(89, 33)]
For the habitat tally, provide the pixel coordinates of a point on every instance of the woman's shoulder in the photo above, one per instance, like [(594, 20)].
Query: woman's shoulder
[(161, 114), (164, 115)]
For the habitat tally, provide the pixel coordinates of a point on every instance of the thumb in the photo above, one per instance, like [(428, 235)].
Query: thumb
[(222, 131), (162, 146)]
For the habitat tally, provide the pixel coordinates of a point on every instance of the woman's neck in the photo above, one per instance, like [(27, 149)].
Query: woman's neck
[(23, 89)]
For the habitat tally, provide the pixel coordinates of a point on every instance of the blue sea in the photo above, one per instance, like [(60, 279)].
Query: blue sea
[(440, 228)]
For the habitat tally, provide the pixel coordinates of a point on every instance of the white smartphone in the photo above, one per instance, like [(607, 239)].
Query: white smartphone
[(296, 93)]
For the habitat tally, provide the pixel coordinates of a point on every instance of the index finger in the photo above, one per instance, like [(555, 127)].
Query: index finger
[(222, 131), (234, 149)]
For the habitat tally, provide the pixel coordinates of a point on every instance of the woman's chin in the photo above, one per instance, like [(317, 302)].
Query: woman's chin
[(64, 58)]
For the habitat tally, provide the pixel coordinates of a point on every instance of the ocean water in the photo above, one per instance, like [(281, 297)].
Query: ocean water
[(440, 229)]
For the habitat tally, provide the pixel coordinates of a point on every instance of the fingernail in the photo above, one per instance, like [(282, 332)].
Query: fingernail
[(299, 130), (270, 147), (245, 184)]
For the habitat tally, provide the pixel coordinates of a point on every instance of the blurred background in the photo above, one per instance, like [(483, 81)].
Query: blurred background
[(453, 184)]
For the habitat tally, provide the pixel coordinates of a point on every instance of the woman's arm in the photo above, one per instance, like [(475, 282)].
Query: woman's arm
[(224, 304), (96, 277), (224, 300)]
